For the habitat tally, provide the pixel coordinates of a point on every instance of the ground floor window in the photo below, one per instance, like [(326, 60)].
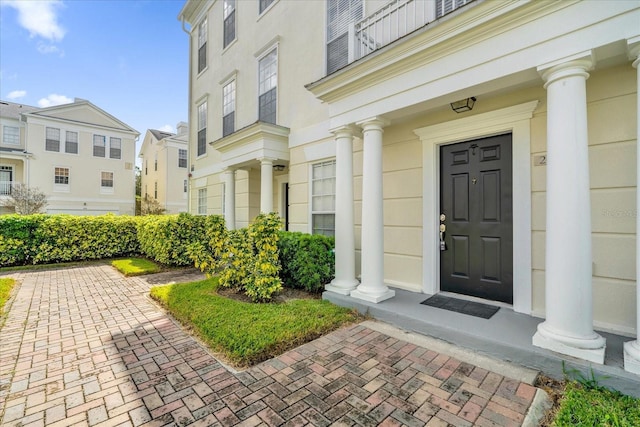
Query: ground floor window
[(202, 201), (323, 198)]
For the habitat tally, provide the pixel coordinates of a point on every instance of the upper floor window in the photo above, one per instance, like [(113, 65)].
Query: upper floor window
[(106, 179), (155, 162), (340, 13), (228, 108), (52, 141), (71, 142), (264, 4), (323, 198), (445, 6), (202, 45), (229, 13), (146, 166), (155, 190), (115, 148), (61, 176), (182, 158), (202, 128), (268, 84), (99, 144), (184, 186), (11, 135)]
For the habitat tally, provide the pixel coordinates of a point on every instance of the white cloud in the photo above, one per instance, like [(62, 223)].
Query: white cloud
[(16, 94), (39, 17), (54, 99), (49, 48), (167, 128)]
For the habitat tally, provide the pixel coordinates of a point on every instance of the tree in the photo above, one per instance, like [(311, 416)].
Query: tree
[(24, 200), (151, 206)]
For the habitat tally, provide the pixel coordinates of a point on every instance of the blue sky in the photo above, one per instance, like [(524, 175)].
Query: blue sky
[(128, 57)]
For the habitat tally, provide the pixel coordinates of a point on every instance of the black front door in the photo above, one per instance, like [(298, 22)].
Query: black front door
[(476, 198)]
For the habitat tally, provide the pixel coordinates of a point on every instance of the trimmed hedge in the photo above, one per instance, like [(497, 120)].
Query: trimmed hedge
[(40, 239), (165, 238), (307, 260)]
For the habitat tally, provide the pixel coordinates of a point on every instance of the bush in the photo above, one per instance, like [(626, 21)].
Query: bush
[(37, 239), (308, 261), (166, 238)]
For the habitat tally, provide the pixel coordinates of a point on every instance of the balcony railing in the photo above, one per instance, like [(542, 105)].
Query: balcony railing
[(6, 187), (393, 21)]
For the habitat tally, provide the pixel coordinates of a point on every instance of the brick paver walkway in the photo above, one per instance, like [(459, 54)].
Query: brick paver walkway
[(84, 346)]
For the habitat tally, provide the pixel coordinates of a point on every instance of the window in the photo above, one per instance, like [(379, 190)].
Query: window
[(11, 135), (155, 190), (61, 176), (323, 198), (106, 179), (202, 45), (99, 143), (52, 142), (146, 166), (155, 162), (340, 13), (182, 158), (115, 148), (268, 82), (229, 12), (445, 6), (202, 129), (6, 180), (71, 142), (228, 108), (202, 201), (184, 186), (264, 4)]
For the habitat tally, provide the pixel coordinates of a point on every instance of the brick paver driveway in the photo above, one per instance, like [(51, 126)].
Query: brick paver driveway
[(85, 346)]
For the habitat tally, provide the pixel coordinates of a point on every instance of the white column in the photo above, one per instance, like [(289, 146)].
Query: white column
[(568, 328), (632, 348), (266, 185), (372, 287), (345, 277), (229, 179)]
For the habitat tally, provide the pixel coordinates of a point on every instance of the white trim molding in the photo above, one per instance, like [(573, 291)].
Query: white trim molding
[(515, 119)]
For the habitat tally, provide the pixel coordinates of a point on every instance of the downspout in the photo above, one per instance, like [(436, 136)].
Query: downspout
[(189, 151)]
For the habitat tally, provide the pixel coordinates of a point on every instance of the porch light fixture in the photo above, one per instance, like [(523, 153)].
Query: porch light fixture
[(463, 105), (278, 168)]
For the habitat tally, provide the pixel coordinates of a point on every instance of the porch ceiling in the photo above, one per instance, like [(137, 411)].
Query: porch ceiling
[(257, 141)]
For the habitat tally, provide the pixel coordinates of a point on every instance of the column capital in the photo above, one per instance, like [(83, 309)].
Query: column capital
[(228, 169), (633, 50), (345, 131), (376, 122), (266, 160), (574, 65)]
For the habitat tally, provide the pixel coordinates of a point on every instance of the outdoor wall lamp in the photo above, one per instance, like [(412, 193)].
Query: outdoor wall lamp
[(463, 105), (278, 168)]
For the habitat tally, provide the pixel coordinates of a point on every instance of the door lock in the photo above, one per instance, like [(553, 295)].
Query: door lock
[(443, 228)]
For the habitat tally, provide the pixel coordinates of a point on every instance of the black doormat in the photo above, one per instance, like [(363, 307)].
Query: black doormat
[(471, 308)]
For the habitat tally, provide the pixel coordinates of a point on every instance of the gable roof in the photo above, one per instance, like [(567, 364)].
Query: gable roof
[(160, 135), (84, 112)]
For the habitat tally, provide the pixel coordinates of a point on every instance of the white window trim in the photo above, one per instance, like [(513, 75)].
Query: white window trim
[(61, 188), (310, 190), (108, 190), (4, 141), (261, 54), (264, 12), (206, 196), (197, 28), (202, 100), (517, 120), (235, 27)]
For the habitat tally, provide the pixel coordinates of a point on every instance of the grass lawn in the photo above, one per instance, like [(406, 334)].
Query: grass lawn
[(248, 333), (6, 284), (585, 406), (135, 266)]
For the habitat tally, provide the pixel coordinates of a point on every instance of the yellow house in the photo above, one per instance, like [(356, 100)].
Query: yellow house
[(482, 149), (79, 155), (164, 173)]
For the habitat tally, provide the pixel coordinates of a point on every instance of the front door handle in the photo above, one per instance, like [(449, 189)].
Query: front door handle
[(443, 245)]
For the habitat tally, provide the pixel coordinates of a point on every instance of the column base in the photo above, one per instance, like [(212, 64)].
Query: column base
[(342, 286), (632, 357), (589, 348), (374, 297)]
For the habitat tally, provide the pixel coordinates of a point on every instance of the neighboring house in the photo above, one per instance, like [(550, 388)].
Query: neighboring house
[(164, 173), (80, 156), (510, 125)]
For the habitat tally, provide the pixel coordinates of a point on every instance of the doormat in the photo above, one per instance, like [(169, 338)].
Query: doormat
[(471, 308)]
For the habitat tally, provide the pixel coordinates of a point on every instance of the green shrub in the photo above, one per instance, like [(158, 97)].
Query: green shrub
[(264, 280), (166, 238), (206, 252), (308, 261), (38, 239)]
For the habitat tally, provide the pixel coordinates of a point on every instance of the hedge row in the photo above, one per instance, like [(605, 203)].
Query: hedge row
[(304, 261)]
